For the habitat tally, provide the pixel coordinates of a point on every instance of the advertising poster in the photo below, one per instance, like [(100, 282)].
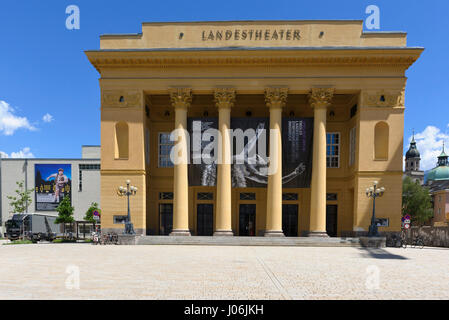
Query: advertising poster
[(53, 182), (249, 160), (297, 152), (201, 173)]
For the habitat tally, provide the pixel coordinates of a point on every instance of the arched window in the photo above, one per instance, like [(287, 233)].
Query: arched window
[(381, 135), (121, 140)]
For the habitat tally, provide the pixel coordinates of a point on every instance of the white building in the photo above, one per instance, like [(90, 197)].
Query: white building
[(83, 183)]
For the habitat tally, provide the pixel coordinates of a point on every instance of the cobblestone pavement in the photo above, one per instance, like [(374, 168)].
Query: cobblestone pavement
[(49, 271)]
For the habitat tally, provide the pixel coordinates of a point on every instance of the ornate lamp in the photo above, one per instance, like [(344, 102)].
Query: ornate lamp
[(374, 192), (128, 191)]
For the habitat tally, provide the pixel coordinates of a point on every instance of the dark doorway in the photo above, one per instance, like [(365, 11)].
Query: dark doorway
[(205, 219), (290, 220), (165, 218), (331, 220), (247, 220)]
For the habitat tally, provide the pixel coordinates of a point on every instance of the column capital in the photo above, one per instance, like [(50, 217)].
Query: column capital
[(276, 97), (224, 97), (321, 97), (180, 97)]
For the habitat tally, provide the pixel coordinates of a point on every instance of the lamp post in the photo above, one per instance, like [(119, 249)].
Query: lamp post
[(374, 192), (128, 191)]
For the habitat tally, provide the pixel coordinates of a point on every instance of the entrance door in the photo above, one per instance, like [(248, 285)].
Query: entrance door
[(247, 220), (331, 220), (290, 220), (205, 219), (165, 218)]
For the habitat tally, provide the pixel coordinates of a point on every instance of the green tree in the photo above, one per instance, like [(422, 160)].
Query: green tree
[(89, 217), (65, 212), (20, 201), (416, 201)]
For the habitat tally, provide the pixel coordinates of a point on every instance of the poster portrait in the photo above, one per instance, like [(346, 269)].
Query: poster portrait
[(53, 182)]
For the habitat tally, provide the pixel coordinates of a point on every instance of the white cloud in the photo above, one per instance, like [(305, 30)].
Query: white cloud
[(430, 143), (47, 118), (9, 122), (24, 153)]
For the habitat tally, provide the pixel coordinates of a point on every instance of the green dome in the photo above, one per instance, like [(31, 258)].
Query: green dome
[(438, 173)]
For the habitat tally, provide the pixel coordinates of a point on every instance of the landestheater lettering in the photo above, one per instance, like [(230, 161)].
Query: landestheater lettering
[(251, 34)]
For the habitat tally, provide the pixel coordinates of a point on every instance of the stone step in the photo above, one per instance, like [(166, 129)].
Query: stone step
[(243, 241)]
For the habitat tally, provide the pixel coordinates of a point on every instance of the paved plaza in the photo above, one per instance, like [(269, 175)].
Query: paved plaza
[(85, 271)]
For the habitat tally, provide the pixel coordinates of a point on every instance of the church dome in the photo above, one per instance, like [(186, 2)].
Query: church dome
[(438, 173), (412, 151), (441, 172)]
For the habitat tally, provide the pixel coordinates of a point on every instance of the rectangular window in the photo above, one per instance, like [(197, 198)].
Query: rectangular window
[(165, 195), (247, 196), (331, 196), (289, 196), (120, 219), (352, 144), (205, 196), (165, 146), (333, 149)]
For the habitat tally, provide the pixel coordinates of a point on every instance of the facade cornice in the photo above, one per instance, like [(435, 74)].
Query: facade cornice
[(404, 58)]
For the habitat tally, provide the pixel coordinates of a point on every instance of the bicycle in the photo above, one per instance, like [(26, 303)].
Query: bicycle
[(418, 241)]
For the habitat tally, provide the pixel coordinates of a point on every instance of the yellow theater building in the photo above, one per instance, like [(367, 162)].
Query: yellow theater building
[(335, 92)]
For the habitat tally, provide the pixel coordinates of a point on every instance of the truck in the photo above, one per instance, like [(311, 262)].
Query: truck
[(32, 226)]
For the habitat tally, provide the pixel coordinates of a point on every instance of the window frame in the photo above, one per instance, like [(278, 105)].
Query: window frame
[(339, 150), (159, 150)]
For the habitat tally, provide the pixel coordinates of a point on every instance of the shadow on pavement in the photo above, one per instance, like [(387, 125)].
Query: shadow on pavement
[(380, 254)]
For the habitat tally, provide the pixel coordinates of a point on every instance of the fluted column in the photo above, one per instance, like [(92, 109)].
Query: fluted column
[(224, 100), (275, 99), (181, 99), (320, 99)]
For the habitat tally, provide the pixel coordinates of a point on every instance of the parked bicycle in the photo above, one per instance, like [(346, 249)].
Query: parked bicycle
[(418, 242), (109, 238)]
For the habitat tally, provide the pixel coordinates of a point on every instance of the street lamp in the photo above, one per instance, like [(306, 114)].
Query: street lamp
[(374, 192), (128, 191)]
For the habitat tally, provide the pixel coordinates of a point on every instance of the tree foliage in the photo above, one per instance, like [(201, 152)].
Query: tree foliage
[(19, 202), (416, 201), (89, 217), (65, 211)]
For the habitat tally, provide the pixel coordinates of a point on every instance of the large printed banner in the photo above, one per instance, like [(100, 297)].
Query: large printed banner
[(250, 141), (201, 173), (297, 146), (53, 182)]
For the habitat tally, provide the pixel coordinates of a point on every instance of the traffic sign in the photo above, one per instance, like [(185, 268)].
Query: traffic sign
[(406, 225)]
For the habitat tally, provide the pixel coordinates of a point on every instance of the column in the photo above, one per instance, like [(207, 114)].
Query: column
[(224, 100), (319, 99), (181, 99), (275, 99)]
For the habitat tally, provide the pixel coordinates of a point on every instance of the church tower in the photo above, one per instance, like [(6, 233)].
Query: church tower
[(412, 162)]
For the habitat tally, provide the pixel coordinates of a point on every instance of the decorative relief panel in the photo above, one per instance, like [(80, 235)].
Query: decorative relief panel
[(383, 98), (122, 99)]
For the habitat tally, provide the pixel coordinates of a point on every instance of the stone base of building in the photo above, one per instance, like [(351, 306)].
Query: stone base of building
[(274, 234), (315, 234), (223, 233), (373, 242), (127, 239), (119, 231), (182, 233)]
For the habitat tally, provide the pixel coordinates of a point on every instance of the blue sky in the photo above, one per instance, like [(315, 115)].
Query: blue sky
[(44, 71)]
